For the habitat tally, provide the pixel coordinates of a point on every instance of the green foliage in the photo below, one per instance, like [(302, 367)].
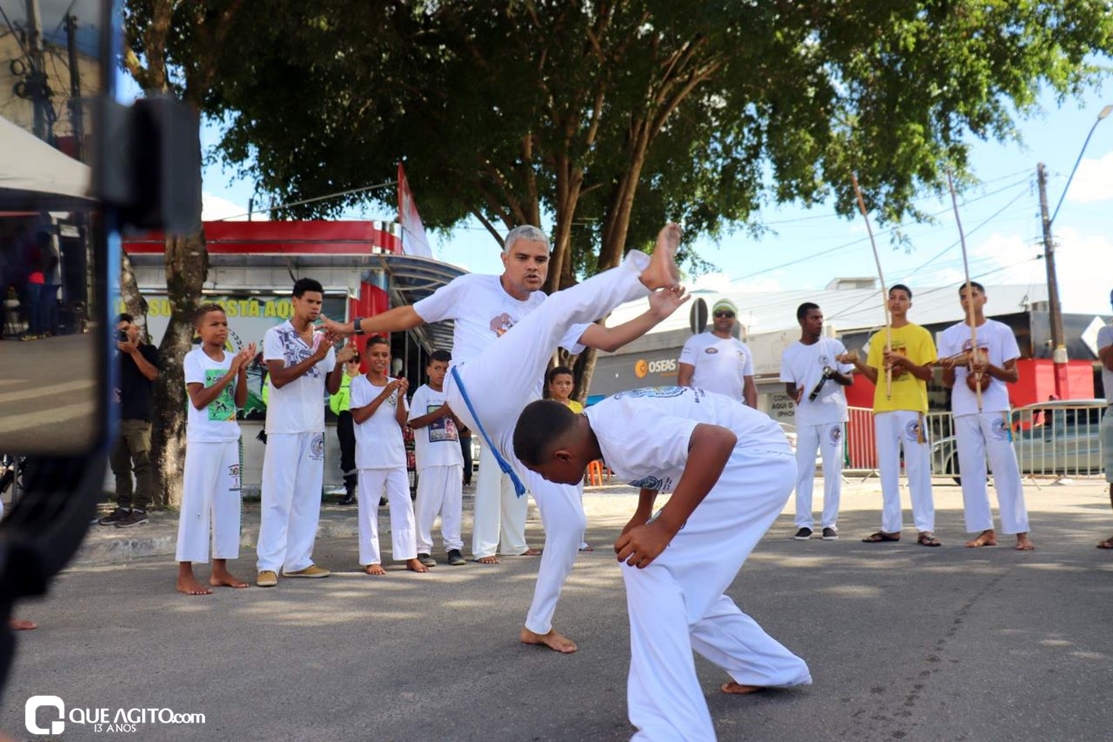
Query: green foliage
[(614, 116)]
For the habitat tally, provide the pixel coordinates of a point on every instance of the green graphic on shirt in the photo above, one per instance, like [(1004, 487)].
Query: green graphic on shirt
[(223, 408)]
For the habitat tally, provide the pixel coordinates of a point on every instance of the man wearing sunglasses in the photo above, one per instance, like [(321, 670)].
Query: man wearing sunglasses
[(716, 361)]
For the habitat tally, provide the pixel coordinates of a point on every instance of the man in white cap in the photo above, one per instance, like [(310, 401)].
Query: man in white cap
[(716, 361)]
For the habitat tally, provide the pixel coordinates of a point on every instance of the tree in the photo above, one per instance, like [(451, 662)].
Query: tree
[(609, 117), (175, 46)]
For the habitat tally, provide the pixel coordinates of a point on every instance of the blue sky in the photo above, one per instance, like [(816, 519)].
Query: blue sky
[(809, 247)]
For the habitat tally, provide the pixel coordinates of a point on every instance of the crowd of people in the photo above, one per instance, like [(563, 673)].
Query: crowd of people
[(728, 467), (30, 277)]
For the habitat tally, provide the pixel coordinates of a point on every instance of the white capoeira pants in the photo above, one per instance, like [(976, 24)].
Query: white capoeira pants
[(293, 473), (403, 534), (827, 438), (499, 513), (440, 490), (988, 434), (210, 495), (892, 430), (504, 378), (677, 605)]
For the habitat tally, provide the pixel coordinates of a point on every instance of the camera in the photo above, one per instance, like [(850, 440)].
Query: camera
[(122, 335)]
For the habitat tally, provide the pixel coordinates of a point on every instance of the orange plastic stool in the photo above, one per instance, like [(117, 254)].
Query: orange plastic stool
[(595, 472)]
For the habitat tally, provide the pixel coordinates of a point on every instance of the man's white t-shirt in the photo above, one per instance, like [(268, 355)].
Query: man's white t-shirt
[(721, 364), (483, 312), (216, 423), (438, 443), (298, 407), (803, 366), (1105, 339), (999, 343), (379, 443), (644, 433)]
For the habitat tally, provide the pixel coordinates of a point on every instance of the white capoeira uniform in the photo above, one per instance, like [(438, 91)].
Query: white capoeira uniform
[(211, 481), (819, 426), (677, 604), (898, 421), (294, 462), (381, 461), (1105, 340), (500, 515), (440, 473), (501, 348), (986, 433), (719, 365)]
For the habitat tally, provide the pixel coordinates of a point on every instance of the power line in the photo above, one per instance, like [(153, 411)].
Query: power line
[(311, 200)]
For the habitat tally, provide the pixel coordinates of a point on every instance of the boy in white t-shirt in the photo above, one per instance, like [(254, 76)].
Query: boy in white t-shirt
[(814, 379), (440, 464), (986, 431), (217, 385), (730, 471), (379, 413), (301, 366)]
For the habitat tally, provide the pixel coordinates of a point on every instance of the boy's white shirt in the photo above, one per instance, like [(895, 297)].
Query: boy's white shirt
[(379, 443), (999, 343), (644, 434), (436, 444), (216, 422), (298, 407), (803, 365)]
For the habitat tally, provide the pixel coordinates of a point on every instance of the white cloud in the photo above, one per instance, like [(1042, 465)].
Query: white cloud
[(1093, 182), (215, 208), (1084, 264)]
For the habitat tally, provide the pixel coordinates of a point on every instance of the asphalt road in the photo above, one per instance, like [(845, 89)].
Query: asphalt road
[(904, 642)]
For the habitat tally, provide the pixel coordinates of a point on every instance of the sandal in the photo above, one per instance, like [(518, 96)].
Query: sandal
[(926, 539), (877, 538)]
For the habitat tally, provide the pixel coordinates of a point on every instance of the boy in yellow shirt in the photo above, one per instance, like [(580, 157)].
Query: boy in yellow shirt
[(898, 417)]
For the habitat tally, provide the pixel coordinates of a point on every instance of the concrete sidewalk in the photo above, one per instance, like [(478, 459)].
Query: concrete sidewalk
[(611, 506)]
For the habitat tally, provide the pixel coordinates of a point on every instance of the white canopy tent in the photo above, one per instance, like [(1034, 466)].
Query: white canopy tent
[(36, 177)]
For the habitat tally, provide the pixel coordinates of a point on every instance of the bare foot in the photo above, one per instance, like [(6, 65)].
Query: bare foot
[(738, 689), (225, 580), (487, 560), (189, 585), (21, 624), (1023, 543), (985, 538), (415, 566), (553, 640), (662, 272), (374, 569), (531, 552)]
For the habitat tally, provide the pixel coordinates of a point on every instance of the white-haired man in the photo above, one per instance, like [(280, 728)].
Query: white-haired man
[(491, 382)]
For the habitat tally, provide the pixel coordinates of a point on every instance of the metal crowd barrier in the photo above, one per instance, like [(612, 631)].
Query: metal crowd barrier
[(1056, 440)]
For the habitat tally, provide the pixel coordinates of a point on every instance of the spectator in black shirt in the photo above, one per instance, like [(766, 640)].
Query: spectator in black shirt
[(137, 371)]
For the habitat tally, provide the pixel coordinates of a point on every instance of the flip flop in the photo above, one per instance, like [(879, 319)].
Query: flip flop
[(928, 540), (880, 536)]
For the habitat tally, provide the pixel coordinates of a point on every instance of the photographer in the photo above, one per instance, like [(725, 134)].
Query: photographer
[(138, 368)]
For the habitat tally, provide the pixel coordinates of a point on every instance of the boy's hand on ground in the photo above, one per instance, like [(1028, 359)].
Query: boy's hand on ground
[(642, 544)]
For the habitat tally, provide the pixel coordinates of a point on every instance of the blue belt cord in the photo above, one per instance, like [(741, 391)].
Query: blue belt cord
[(519, 488)]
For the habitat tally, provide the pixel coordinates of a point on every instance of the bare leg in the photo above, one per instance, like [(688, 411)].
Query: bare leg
[(187, 583), (222, 578), (987, 537), (553, 640)]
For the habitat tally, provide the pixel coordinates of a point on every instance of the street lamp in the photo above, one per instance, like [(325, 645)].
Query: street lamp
[(1055, 314)]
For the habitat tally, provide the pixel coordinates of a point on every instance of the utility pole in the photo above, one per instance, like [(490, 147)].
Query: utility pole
[(36, 83), (76, 104), (1055, 314)]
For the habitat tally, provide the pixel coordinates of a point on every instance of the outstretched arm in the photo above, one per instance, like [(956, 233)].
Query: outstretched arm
[(709, 449), (662, 303), (392, 320)]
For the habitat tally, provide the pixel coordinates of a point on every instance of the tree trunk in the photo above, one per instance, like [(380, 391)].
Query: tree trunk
[(187, 266), (134, 303)]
